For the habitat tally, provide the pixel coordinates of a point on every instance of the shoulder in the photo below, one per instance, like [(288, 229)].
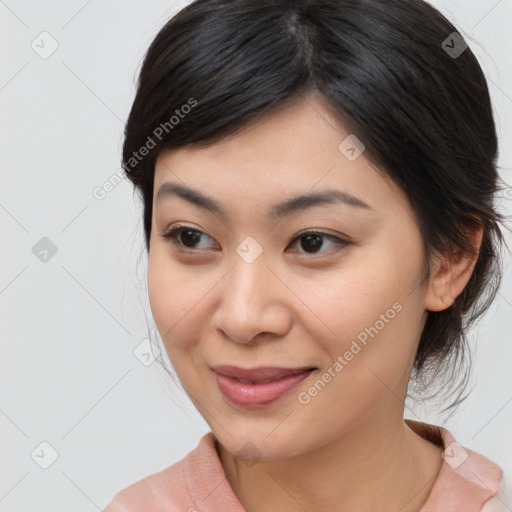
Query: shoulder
[(166, 490), (502, 501), (467, 480)]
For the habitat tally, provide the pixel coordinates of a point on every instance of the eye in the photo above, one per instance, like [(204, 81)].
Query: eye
[(312, 241), (184, 236)]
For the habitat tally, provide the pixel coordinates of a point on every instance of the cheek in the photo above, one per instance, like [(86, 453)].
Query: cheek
[(346, 303), (370, 324), (175, 306), (175, 300), (368, 363)]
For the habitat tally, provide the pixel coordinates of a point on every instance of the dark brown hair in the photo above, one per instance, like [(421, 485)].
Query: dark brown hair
[(390, 70)]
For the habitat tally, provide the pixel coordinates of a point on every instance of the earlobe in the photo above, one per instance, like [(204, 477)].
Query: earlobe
[(437, 297), (450, 275)]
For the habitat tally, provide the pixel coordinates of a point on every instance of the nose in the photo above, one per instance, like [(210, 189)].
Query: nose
[(253, 302)]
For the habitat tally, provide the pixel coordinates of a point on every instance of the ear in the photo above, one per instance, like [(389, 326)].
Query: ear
[(450, 274)]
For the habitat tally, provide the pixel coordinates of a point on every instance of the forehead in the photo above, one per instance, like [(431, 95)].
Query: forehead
[(287, 152)]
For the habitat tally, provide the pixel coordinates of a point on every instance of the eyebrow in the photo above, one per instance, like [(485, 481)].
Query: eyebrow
[(283, 209)]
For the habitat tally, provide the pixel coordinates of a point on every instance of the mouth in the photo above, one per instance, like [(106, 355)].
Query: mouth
[(259, 375), (258, 386)]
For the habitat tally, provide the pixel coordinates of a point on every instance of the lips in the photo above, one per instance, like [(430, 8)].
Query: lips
[(258, 387), (259, 375)]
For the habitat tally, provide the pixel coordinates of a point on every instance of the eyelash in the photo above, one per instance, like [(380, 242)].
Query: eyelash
[(172, 237)]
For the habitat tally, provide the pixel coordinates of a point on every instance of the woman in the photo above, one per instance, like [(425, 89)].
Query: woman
[(317, 180)]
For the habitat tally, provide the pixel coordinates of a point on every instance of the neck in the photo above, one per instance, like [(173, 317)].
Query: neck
[(380, 464)]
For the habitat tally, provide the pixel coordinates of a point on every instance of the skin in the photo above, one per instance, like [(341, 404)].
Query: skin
[(349, 447)]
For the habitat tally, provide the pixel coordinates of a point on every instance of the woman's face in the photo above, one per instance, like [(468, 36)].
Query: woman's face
[(251, 289)]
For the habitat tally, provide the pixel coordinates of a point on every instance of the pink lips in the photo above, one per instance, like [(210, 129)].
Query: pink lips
[(258, 386)]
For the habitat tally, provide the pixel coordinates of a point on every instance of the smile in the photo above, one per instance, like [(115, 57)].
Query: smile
[(258, 393)]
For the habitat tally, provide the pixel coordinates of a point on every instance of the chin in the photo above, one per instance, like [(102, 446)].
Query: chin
[(254, 445)]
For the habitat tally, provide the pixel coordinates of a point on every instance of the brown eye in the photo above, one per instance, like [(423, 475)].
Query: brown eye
[(313, 241), (185, 236)]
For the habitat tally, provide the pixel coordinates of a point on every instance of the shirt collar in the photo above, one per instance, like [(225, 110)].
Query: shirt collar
[(467, 479), (465, 482)]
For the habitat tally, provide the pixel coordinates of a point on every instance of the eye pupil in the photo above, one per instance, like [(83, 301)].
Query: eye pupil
[(194, 235), (315, 242)]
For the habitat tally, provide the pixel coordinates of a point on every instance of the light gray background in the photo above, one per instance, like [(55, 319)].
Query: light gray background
[(69, 326)]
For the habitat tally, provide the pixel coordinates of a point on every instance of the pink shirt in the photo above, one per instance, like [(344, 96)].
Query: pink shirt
[(467, 482)]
